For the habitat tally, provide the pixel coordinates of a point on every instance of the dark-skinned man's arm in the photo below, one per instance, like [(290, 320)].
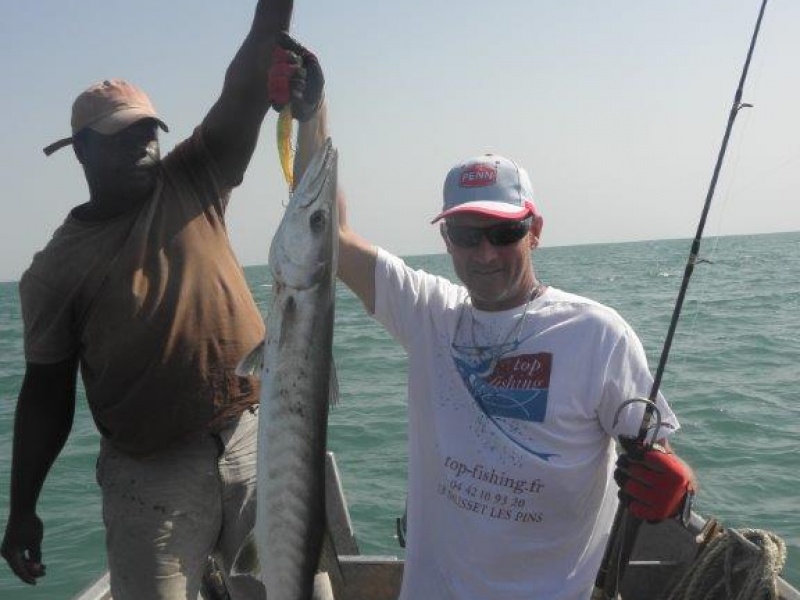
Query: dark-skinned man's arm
[(232, 125), (42, 423)]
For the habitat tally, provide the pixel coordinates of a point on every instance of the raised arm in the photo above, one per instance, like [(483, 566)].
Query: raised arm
[(231, 127), (357, 257), (303, 89)]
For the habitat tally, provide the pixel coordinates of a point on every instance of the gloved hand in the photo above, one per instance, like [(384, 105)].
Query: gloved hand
[(654, 483), (295, 78)]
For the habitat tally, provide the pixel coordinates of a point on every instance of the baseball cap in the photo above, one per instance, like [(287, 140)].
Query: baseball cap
[(489, 185), (108, 107)]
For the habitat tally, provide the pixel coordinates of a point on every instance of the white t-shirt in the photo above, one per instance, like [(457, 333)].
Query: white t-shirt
[(511, 436)]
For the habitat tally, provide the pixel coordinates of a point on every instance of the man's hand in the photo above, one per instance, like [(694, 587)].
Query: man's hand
[(654, 483), (295, 78), (22, 547)]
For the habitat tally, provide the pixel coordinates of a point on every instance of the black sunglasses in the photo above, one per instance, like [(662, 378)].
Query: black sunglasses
[(502, 234)]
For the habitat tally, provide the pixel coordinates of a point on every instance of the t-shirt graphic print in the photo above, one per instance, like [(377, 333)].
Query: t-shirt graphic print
[(510, 390)]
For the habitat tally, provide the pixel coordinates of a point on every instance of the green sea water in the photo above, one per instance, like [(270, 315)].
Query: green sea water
[(733, 379)]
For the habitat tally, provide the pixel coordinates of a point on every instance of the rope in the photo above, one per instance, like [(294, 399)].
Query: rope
[(732, 568)]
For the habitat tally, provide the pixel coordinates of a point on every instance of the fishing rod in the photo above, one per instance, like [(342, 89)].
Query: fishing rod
[(626, 526)]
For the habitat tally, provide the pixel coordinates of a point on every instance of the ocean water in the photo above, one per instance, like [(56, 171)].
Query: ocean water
[(733, 379)]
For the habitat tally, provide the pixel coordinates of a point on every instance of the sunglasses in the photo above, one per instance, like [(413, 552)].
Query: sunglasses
[(502, 234)]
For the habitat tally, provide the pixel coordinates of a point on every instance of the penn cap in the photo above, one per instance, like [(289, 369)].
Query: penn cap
[(489, 185)]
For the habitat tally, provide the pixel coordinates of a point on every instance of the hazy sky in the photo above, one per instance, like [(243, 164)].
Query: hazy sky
[(617, 108)]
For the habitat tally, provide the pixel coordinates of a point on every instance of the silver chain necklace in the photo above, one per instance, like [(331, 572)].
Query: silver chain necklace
[(491, 353)]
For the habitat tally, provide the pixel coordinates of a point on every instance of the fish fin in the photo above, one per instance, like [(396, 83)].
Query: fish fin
[(333, 386), (329, 561), (246, 561), (252, 363)]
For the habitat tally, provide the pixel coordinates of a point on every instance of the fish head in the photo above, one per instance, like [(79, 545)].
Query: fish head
[(305, 246)]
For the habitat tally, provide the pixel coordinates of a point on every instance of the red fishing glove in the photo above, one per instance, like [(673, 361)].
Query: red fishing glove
[(295, 78), (654, 483)]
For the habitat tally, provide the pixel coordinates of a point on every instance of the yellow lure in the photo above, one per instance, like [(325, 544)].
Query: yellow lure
[(285, 150)]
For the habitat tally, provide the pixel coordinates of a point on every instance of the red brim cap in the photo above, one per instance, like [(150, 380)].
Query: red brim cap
[(493, 209)]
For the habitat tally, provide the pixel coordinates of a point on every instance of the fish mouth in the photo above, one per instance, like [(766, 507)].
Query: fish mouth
[(303, 250), (317, 175)]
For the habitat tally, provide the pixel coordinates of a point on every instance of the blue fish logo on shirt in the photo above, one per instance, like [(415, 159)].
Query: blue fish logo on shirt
[(513, 387)]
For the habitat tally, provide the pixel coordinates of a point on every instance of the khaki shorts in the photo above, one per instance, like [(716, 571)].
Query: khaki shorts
[(164, 515)]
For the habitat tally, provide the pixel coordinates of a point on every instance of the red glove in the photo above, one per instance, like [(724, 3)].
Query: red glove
[(654, 483), (295, 78)]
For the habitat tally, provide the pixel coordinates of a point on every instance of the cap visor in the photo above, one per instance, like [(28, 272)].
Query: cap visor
[(48, 150), (496, 210), (116, 122)]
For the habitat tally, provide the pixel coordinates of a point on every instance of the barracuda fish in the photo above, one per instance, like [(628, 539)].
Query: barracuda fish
[(297, 384)]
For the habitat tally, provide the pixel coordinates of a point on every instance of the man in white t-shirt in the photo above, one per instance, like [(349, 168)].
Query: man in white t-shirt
[(516, 392)]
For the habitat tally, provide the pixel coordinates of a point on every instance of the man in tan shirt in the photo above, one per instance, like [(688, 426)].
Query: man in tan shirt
[(140, 288)]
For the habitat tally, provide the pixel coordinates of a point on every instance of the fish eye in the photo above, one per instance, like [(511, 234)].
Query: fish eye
[(317, 220)]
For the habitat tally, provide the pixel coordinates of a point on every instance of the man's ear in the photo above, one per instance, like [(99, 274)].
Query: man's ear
[(443, 233), (536, 231)]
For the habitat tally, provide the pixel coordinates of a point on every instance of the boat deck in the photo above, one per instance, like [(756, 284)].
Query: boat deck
[(662, 554)]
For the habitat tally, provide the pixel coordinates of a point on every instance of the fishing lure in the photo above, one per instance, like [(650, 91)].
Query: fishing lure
[(285, 150)]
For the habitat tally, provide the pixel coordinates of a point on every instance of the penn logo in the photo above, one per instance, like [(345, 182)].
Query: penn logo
[(479, 175)]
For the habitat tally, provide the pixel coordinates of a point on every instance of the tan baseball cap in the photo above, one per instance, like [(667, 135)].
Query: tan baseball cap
[(108, 107)]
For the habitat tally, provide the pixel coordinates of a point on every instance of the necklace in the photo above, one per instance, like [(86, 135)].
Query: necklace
[(491, 353)]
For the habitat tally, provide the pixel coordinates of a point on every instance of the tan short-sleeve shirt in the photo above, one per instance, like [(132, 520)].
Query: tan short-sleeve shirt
[(156, 306)]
